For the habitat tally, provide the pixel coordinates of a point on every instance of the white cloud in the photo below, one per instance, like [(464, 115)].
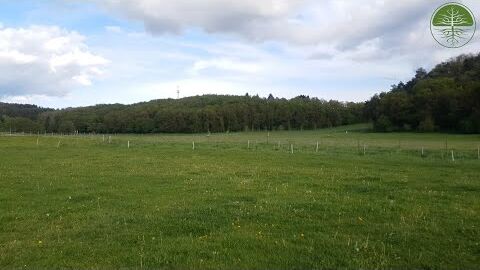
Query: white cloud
[(341, 24), (114, 29), (296, 21), (225, 64), (211, 15), (16, 57), (45, 61)]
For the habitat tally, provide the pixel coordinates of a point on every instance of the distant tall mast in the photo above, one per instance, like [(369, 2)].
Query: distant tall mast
[(178, 92)]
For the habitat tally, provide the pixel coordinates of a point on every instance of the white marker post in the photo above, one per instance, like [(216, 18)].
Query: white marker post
[(128, 144), (422, 151), (37, 141), (364, 149), (291, 148), (103, 138), (193, 145), (248, 144), (453, 157), (316, 150), (109, 139)]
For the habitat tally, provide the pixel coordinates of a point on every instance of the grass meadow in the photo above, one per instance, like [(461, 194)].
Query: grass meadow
[(241, 200)]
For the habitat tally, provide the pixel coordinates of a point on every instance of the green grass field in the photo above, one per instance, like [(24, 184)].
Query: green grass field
[(86, 203)]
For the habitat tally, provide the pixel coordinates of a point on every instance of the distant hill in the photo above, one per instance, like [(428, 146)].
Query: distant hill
[(208, 113), (20, 117), (445, 99), (21, 110)]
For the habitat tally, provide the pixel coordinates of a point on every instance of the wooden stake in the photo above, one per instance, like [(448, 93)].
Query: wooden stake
[(446, 145)]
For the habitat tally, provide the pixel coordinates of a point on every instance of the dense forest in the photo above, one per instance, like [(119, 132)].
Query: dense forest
[(445, 99), (22, 117), (208, 113)]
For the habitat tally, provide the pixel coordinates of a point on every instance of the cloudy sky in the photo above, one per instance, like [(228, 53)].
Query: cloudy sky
[(62, 53)]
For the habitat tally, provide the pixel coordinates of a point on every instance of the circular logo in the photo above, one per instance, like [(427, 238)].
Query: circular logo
[(452, 25)]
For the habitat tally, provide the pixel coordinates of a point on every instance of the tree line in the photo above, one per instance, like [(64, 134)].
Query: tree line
[(208, 113), (445, 99), (21, 117)]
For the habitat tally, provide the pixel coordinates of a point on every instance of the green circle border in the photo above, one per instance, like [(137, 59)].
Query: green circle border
[(471, 13)]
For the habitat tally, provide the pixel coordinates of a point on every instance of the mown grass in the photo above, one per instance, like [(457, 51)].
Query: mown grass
[(159, 204)]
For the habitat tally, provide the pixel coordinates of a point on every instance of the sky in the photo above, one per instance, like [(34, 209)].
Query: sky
[(69, 53)]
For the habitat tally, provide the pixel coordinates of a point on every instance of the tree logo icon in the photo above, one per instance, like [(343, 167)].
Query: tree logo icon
[(452, 25)]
